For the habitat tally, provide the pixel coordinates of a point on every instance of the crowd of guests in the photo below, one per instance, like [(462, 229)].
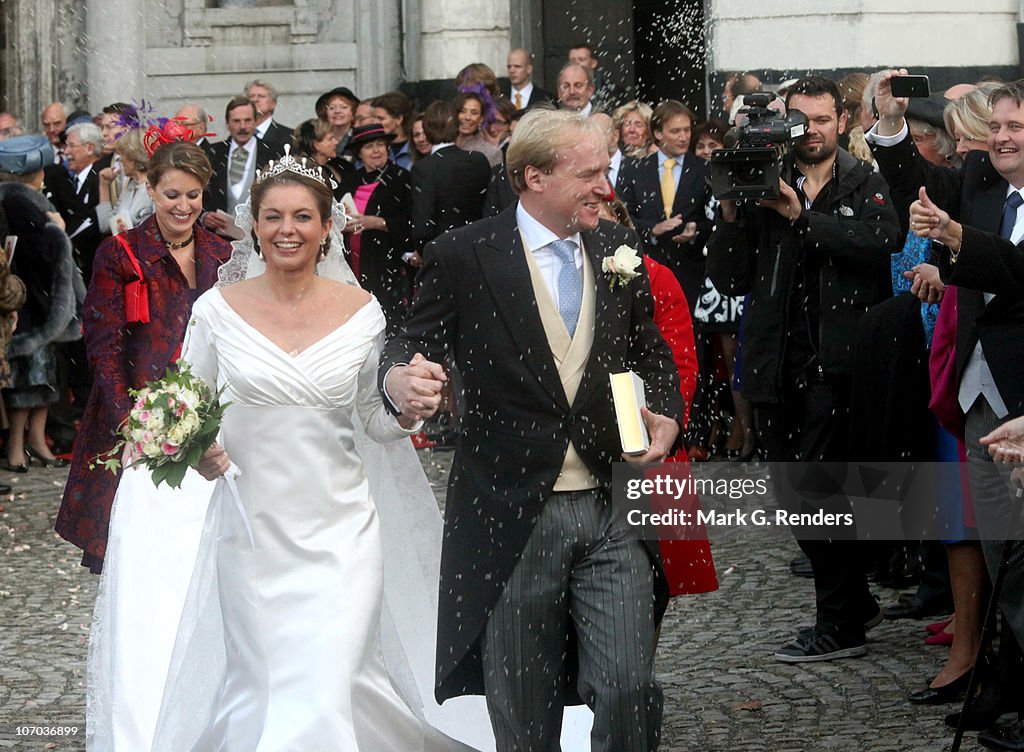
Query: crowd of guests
[(851, 317)]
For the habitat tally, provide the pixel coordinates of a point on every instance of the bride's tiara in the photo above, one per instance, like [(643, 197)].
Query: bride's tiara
[(288, 163)]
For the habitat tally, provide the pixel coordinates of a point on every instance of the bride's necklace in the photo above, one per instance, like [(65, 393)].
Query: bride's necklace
[(187, 241)]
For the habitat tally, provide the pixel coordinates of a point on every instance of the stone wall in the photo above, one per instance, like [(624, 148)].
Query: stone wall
[(864, 34), (93, 52)]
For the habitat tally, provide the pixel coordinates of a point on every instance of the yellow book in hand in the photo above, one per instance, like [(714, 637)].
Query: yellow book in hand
[(628, 396)]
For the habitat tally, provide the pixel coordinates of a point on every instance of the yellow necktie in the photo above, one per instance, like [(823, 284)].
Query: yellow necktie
[(668, 187), (519, 101)]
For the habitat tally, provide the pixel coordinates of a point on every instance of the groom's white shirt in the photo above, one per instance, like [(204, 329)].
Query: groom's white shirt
[(536, 238)]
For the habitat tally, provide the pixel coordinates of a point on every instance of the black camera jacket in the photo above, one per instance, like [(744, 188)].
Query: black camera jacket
[(849, 236)]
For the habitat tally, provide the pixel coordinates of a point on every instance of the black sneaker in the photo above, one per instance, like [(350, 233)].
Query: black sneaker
[(820, 644)]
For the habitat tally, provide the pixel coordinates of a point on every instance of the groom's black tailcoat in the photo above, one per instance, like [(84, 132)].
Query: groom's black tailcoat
[(476, 301)]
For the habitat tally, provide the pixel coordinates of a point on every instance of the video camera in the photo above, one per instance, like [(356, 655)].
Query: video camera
[(751, 164)]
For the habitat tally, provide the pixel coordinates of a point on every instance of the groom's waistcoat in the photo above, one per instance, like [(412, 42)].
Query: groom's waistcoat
[(570, 356)]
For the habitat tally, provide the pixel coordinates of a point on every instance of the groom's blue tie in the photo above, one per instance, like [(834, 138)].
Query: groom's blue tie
[(1013, 201), (570, 284)]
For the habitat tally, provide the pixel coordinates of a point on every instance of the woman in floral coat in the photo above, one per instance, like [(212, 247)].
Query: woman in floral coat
[(179, 261)]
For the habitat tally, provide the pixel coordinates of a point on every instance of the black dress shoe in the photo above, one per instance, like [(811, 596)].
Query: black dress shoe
[(5, 490), (911, 607), (951, 692), (16, 468), (1005, 737), (800, 566)]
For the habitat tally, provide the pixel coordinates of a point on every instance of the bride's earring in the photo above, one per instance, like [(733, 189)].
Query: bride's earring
[(325, 246)]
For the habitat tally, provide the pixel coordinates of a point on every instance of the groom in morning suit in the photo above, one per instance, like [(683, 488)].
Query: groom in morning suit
[(545, 595)]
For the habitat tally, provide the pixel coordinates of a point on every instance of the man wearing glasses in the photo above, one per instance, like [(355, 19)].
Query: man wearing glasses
[(75, 191), (576, 88)]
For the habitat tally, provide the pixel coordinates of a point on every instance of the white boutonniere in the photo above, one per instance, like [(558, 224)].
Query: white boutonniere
[(621, 267)]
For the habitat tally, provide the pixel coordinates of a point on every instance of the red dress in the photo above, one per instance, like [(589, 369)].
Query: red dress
[(689, 567), (125, 356)]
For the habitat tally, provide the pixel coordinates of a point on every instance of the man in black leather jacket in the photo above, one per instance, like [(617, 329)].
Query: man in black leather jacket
[(813, 261)]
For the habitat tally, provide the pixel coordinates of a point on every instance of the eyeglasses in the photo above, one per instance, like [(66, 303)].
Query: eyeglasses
[(70, 145)]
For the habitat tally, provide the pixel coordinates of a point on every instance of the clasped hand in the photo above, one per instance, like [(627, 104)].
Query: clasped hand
[(688, 233), (927, 286), (416, 388)]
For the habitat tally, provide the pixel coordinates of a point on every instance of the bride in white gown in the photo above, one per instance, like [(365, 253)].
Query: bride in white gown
[(286, 641), (296, 553)]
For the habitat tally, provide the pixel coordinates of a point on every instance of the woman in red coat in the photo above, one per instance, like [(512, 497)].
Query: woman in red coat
[(689, 567), (179, 261)]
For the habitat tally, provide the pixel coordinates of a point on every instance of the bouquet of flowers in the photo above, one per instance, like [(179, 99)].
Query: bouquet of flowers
[(173, 421)]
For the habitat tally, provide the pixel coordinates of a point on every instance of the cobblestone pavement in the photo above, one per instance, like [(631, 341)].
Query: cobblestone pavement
[(723, 690)]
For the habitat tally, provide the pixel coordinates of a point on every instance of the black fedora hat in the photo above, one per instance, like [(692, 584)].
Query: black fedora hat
[(338, 91), (364, 134)]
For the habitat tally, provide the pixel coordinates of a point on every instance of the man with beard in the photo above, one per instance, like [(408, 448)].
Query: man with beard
[(813, 261)]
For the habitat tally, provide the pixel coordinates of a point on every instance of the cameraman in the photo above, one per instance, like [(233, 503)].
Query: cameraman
[(813, 261)]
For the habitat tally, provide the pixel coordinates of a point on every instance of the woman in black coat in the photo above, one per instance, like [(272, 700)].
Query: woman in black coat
[(54, 290), (377, 234)]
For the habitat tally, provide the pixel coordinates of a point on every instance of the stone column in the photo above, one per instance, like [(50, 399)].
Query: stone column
[(31, 60), (379, 66), (116, 48)]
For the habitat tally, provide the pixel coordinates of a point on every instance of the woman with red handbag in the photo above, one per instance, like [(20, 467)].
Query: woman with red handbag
[(139, 302)]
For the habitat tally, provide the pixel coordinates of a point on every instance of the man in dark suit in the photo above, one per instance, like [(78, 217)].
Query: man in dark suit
[(55, 120), (605, 96), (76, 194), (521, 90), (666, 194), (272, 133), (449, 186), (234, 161), (194, 117), (543, 588), (980, 254)]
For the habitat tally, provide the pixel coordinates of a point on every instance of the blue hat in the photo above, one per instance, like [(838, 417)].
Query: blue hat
[(23, 155)]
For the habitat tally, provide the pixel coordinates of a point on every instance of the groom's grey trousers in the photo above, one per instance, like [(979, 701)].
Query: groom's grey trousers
[(582, 570)]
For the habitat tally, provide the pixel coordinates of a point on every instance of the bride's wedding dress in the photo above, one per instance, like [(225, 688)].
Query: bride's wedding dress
[(309, 621)]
